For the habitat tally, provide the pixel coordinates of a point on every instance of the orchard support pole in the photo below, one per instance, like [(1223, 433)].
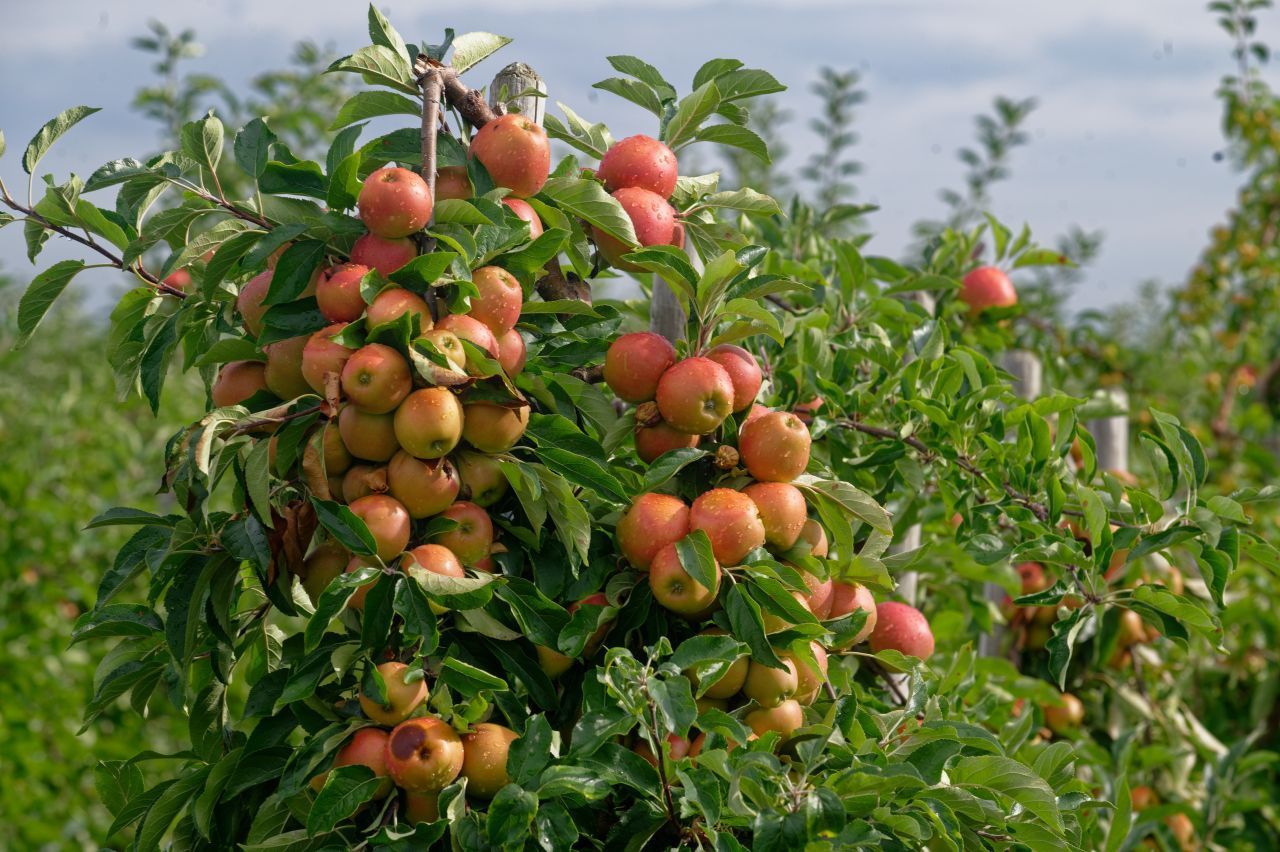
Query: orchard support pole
[(1111, 434), (518, 88), (1027, 373), (911, 537)]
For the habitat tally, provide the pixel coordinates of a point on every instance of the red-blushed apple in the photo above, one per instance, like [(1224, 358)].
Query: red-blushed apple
[(806, 410), (382, 254), (1143, 797), (366, 748), (284, 368), (393, 303), (484, 758), (674, 589), (449, 346), (653, 441), (515, 151), (237, 381), (810, 679), (819, 598), (782, 511), (652, 218), (677, 235), (324, 564), (421, 807), (511, 352), (552, 662), (368, 436), (1184, 831), (903, 628), (437, 559), (500, 299), (652, 522), (743, 370), (453, 182), (428, 424), (595, 599), (335, 455), (695, 396), (356, 601), (677, 747), (525, 211), (987, 287), (774, 623), (323, 355), (634, 364), (768, 686), (489, 564), (179, 279), (639, 161), (424, 754), (847, 598), (785, 719), (376, 378), (388, 521), (730, 683), (469, 328), (361, 480), (425, 488), (338, 293), (471, 539), (402, 697), (1131, 630), (731, 521), (395, 202), (775, 447), (815, 537), (704, 703), (1066, 716), (249, 302), (493, 428), (482, 477), (757, 410)]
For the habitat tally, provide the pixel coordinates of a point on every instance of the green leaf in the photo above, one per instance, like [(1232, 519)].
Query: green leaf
[(304, 178), (43, 291), (344, 791), (636, 92), (692, 110), (469, 49), (167, 808), (116, 620), (424, 270), (747, 83), (1042, 257), (735, 137), (294, 271), (253, 147), (366, 105), (344, 526), (698, 560), (747, 624), (115, 172), (468, 679), (668, 465), (713, 68), (1011, 779), (746, 200), (202, 141), (51, 132), (510, 818), (381, 32), (587, 199), (643, 72), (379, 65), (592, 139)]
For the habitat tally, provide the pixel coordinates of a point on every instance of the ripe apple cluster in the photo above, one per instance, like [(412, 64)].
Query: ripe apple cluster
[(640, 173)]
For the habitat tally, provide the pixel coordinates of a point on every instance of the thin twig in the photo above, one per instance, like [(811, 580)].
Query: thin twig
[(258, 423)]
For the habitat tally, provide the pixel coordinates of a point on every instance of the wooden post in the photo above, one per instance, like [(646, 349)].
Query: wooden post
[(665, 314), (506, 92), (1027, 373)]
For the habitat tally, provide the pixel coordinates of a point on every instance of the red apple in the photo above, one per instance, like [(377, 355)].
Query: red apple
[(639, 161), (515, 151), (368, 436), (493, 428), (511, 352), (653, 441), (335, 455), (1064, 717), (471, 329), (425, 488), (179, 279), (393, 303), (677, 747), (383, 254), (987, 287), (501, 297), (388, 521), (437, 559), (522, 208), (402, 697), (453, 182), (421, 807), (651, 523), (815, 536), (674, 589), (376, 378), (366, 748), (818, 599), (695, 396), (448, 345), (782, 511), (775, 447), (361, 480), (237, 381), (338, 293), (249, 302), (652, 218), (471, 539), (424, 754), (902, 628), (322, 355), (786, 718), (847, 598), (634, 364), (428, 424), (484, 760), (395, 202), (732, 522), (743, 370)]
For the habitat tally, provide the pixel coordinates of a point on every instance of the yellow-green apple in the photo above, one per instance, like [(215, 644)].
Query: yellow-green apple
[(493, 428), (453, 182), (511, 352), (237, 381), (249, 301), (482, 477), (437, 559), (639, 161), (484, 758), (731, 521), (383, 254), (428, 424), (421, 807), (743, 369), (987, 287), (376, 378), (730, 683), (815, 536), (361, 480), (424, 754), (1064, 716), (284, 368), (810, 679), (785, 718), (782, 511), (704, 703), (768, 686), (499, 301), (324, 564), (775, 447), (393, 303), (652, 218), (652, 522), (425, 488), (515, 151), (847, 598), (395, 202), (388, 521), (552, 662), (368, 436), (323, 355), (902, 628), (695, 396), (674, 589), (448, 345), (404, 694), (338, 293), (774, 623), (471, 539), (523, 210), (653, 441), (328, 446), (635, 362)]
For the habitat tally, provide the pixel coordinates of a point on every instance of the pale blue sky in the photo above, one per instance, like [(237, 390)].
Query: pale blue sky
[(1123, 140)]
